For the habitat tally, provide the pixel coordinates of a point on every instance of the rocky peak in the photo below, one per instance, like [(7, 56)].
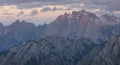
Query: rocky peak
[(60, 18), (1, 24), (77, 15), (41, 30), (73, 25), (44, 25), (107, 55), (22, 30), (23, 21), (75, 12), (82, 11), (1, 29), (17, 21), (110, 18), (84, 14), (49, 50)]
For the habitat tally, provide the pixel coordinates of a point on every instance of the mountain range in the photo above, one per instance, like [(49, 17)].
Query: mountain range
[(63, 51), (79, 24), (19, 32), (79, 38)]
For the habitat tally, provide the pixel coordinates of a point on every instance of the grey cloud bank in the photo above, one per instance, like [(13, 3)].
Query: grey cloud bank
[(111, 4), (45, 9)]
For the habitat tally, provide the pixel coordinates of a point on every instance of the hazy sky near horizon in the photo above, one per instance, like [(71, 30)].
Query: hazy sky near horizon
[(46, 11)]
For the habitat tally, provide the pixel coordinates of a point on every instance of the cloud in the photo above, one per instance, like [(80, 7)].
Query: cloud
[(111, 4), (57, 8), (45, 9), (6, 2), (23, 4), (4, 10), (20, 13), (41, 4), (27, 4), (34, 12), (76, 5), (8, 13)]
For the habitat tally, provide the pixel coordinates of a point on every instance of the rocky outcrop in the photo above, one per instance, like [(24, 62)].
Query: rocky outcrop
[(50, 50), (7, 41), (23, 31), (1, 29), (84, 24), (109, 55), (75, 25), (18, 32), (63, 51), (41, 30), (110, 18)]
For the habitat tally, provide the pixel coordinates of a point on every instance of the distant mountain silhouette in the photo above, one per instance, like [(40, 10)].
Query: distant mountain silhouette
[(21, 31)]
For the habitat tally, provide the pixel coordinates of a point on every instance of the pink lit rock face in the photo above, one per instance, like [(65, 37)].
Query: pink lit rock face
[(79, 24)]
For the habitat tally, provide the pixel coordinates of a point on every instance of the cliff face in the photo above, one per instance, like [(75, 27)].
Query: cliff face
[(83, 24), (1, 29), (19, 32), (109, 55), (62, 51), (75, 25), (23, 31), (50, 50)]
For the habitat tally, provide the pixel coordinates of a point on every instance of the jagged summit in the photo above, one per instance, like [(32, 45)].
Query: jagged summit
[(78, 15), (109, 55), (62, 51), (18, 32), (110, 18), (1, 29), (78, 24), (73, 25), (49, 50), (17, 20), (21, 22), (86, 16)]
